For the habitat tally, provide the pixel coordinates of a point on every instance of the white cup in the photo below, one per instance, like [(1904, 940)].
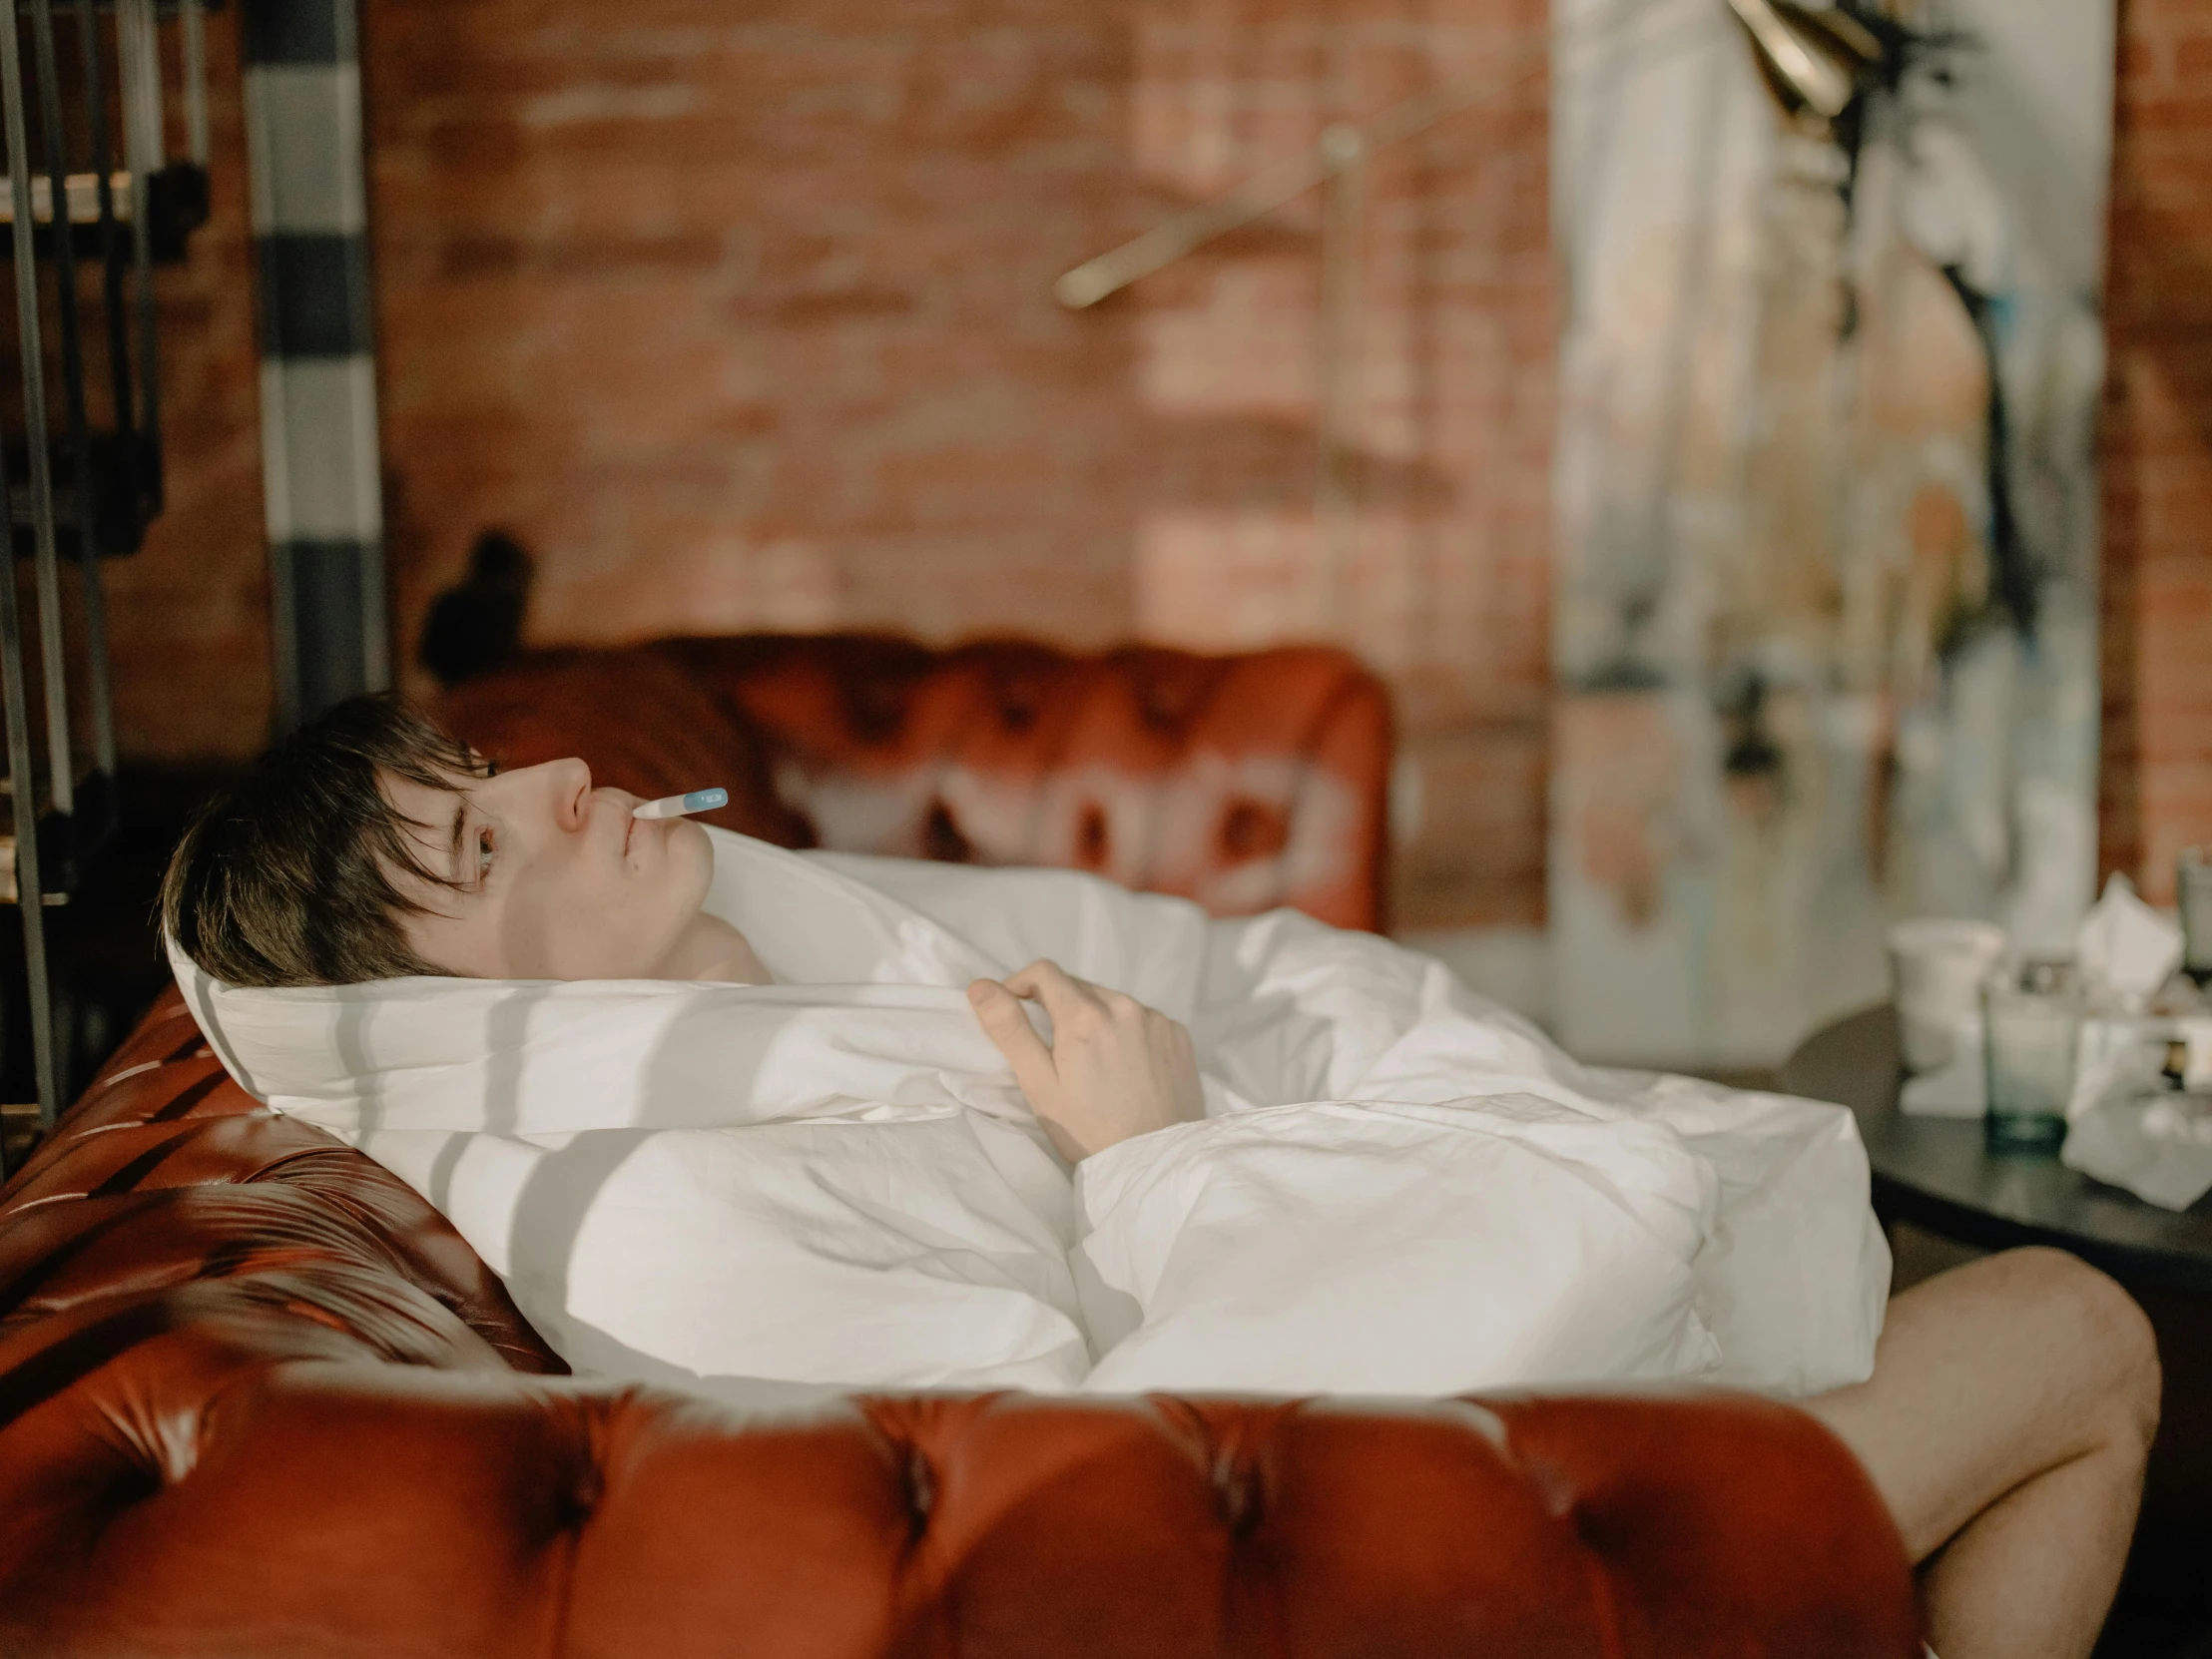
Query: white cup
[(1939, 964)]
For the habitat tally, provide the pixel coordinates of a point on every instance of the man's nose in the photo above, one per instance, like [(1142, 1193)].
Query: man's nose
[(568, 783), (553, 793)]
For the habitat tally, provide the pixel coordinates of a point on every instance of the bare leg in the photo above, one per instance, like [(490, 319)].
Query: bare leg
[(2005, 1424)]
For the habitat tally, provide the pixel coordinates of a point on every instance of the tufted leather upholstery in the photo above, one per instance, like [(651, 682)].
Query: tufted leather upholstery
[(256, 1398), (1240, 782)]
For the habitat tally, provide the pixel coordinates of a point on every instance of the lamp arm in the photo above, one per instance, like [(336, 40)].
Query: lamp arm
[(1341, 145)]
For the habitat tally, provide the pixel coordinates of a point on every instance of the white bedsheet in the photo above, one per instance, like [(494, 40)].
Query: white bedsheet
[(1397, 1188)]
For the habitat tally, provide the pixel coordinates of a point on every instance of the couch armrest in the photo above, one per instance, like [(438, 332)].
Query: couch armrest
[(231, 1490)]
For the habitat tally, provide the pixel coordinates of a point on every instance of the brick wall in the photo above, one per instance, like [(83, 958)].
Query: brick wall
[(2157, 446), (189, 614), (742, 317)]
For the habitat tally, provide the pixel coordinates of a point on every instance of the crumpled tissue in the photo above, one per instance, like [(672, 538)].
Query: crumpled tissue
[(2126, 950), (2156, 1145), (2127, 1124)]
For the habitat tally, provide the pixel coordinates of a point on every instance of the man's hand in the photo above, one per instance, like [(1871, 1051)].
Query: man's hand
[(1113, 1070)]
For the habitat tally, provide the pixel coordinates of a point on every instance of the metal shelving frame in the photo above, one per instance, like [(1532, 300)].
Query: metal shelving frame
[(58, 829)]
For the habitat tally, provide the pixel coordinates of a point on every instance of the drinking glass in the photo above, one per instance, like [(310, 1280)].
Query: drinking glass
[(2031, 1030), (2193, 890)]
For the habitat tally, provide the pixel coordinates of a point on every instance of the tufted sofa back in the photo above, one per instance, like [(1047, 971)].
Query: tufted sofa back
[(258, 1400), (1240, 782)]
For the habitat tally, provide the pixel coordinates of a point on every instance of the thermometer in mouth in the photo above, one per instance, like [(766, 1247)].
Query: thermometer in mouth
[(675, 806)]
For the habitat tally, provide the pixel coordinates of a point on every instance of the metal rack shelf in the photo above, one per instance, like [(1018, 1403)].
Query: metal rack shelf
[(176, 205), (123, 488)]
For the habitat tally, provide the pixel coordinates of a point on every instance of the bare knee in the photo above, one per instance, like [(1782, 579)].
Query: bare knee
[(2095, 1328)]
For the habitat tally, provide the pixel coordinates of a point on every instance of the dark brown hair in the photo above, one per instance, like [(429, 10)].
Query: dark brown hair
[(286, 877)]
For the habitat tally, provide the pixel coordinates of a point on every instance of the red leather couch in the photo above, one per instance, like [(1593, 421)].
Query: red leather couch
[(256, 1398), (1240, 782)]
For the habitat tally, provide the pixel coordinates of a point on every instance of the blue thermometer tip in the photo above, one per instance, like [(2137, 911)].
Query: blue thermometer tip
[(675, 806)]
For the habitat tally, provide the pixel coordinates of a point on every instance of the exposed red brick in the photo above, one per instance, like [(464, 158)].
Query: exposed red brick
[(745, 321), (740, 316), (189, 614), (2192, 60), (2156, 450)]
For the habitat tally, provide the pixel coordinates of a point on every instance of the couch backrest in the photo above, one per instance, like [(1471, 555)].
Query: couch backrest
[(1240, 782)]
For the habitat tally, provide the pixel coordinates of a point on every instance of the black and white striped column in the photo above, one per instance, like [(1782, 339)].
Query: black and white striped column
[(319, 468)]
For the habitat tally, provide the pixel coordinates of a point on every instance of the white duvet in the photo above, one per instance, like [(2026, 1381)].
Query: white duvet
[(1397, 1188)]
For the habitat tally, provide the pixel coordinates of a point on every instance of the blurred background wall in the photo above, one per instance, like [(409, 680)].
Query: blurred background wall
[(188, 616), (740, 319), (2156, 447)]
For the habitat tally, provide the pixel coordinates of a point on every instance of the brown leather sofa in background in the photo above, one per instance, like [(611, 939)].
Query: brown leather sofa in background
[(257, 1398), (1240, 782)]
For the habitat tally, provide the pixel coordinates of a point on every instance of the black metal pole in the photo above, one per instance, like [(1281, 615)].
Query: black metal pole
[(73, 406), (23, 785), (137, 50), (194, 31), (115, 301), (53, 666), (322, 497)]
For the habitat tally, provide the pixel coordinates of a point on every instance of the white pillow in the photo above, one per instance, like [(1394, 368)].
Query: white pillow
[(830, 1182)]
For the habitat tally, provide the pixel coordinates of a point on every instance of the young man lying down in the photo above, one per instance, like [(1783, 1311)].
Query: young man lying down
[(727, 1116)]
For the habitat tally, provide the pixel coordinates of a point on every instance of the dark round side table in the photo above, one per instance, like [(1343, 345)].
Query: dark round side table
[(1936, 1173)]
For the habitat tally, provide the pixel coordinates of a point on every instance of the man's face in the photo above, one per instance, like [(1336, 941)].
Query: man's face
[(554, 879)]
